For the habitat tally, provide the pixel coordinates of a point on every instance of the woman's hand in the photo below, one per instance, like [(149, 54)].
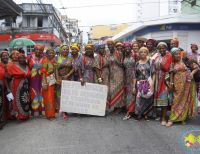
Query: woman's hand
[(45, 86), (82, 82), (134, 91)]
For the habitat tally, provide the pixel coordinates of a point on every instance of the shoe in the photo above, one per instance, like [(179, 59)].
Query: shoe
[(146, 118), (169, 124), (127, 117), (163, 123), (65, 116)]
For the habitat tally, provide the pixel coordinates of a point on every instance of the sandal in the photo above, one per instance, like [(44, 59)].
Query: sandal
[(163, 123), (169, 124), (65, 116), (127, 117)]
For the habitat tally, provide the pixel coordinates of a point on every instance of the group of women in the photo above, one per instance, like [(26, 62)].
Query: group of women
[(144, 78)]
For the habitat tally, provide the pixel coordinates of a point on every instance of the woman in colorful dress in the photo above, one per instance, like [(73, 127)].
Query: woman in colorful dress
[(194, 57), (76, 62), (135, 51), (64, 71), (35, 63), (162, 66), (88, 68), (101, 60), (20, 74), (2, 96), (130, 80), (116, 79), (119, 47), (180, 82), (48, 70), (7, 105), (144, 77)]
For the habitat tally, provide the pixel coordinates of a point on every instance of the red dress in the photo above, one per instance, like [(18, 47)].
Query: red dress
[(20, 90), (2, 102)]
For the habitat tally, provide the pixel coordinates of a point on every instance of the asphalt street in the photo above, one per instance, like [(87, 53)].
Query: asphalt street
[(92, 135)]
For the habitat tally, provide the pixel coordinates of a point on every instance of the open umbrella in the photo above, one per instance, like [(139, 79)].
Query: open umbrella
[(20, 42)]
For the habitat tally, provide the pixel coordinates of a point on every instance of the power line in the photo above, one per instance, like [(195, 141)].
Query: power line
[(115, 4), (132, 22)]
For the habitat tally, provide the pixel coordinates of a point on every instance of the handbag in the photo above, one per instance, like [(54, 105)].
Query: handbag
[(51, 80), (144, 86)]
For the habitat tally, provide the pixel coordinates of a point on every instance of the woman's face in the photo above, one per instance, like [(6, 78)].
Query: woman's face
[(150, 46), (15, 56), (194, 49), (177, 56), (135, 47), (74, 52), (127, 50), (111, 47), (89, 52), (64, 51), (143, 54), (102, 51), (50, 55), (162, 49), (22, 59), (4, 57)]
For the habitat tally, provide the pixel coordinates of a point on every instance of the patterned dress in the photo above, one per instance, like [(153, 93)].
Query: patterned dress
[(129, 64), (102, 65), (87, 68), (76, 63), (183, 102), (36, 82), (20, 90), (162, 66), (48, 68), (2, 102), (116, 81), (64, 66), (143, 73)]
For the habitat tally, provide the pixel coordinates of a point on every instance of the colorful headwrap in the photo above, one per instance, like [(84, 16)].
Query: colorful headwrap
[(118, 44), (63, 47), (101, 46), (175, 40), (50, 50), (141, 39), (162, 43), (127, 44), (152, 41), (89, 46), (39, 47), (75, 46), (144, 49), (174, 50), (110, 41), (194, 45)]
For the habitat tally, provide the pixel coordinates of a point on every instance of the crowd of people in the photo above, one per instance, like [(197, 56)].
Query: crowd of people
[(145, 78)]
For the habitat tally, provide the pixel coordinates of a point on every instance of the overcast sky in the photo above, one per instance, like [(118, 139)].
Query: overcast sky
[(98, 15)]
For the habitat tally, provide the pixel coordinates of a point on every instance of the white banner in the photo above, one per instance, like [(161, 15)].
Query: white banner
[(88, 99)]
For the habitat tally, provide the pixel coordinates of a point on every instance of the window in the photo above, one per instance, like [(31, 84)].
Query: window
[(28, 21), (8, 22), (40, 22)]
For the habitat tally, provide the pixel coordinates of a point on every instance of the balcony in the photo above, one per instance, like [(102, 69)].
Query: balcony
[(42, 30)]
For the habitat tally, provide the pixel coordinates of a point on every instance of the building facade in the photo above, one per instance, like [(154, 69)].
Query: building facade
[(38, 22), (184, 25)]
